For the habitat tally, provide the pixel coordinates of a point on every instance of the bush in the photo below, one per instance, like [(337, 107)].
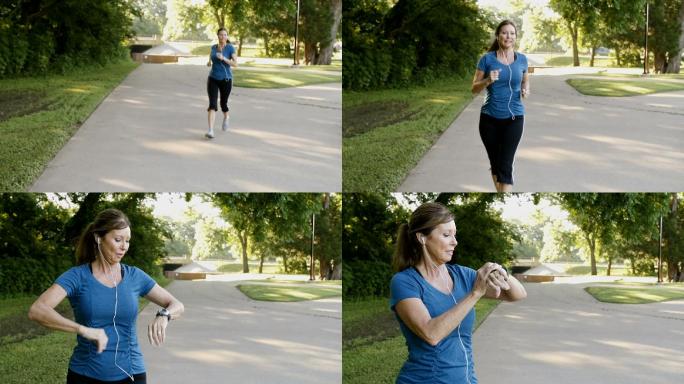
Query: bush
[(366, 278)]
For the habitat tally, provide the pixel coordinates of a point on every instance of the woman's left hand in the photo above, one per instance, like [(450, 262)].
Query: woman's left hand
[(156, 331), (525, 92)]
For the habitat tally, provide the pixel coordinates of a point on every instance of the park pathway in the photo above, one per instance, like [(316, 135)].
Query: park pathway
[(561, 334), (571, 143), (148, 135), (225, 337)]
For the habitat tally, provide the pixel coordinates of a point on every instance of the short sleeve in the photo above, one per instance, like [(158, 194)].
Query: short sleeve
[(524, 63), (212, 52), (144, 282), (231, 50), (403, 287), (482, 64), (70, 281)]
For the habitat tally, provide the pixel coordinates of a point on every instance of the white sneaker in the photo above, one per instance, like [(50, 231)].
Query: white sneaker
[(209, 135), (226, 123)]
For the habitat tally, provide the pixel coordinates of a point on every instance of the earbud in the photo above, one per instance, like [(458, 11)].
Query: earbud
[(97, 240)]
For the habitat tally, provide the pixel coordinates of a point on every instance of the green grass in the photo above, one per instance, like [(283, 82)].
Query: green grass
[(253, 268), (621, 88), (639, 295), (266, 292), (566, 61), (41, 360), (38, 115), (281, 78), (386, 132), (280, 281), (601, 270), (373, 349)]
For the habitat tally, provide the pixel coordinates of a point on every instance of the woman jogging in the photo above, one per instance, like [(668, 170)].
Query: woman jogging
[(503, 72), (220, 80)]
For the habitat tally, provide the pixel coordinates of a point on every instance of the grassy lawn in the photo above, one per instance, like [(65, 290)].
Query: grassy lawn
[(253, 268), (643, 294), (386, 132), (373, 349), (566, 61), (617, 86), (300, 292), (601, 270), (283, 77), (23, 343), (280, 281), (38, 116)]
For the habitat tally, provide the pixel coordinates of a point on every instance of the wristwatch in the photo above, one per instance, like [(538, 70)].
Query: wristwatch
[(164, 312)]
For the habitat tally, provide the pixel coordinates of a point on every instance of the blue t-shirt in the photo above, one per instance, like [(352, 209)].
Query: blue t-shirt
[(499, 93), (93, 305), (219, 69), (446, 362)]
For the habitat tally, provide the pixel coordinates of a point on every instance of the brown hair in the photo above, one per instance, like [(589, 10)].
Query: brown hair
[(408, 251), (221, 29), (495, 45), (105, 221)]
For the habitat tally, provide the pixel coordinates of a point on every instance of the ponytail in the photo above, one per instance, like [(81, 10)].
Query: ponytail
[(405, 254)]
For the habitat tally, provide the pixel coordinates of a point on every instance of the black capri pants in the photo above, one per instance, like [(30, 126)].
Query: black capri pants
[(214, 87), (500, 138), (75, 378)]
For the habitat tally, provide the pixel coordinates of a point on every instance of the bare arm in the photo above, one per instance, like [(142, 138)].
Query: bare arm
[(525, 86), (43, 312), (416, 316), (480, 82), (514, 293), (156, 331), (232, 61)]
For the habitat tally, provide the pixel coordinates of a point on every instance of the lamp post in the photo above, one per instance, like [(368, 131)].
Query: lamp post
[(296, 44), (646, 43), (313, 237)]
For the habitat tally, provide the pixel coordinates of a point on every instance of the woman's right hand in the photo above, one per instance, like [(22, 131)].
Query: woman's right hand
[(494, 75), (96, 335)]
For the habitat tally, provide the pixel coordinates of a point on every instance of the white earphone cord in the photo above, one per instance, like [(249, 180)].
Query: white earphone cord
[(458, 329), (510, 78), (116, 305)]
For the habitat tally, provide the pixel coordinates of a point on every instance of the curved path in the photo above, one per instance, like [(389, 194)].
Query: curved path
[(225, 337), (571, 143), (561, 334), (148, 135)]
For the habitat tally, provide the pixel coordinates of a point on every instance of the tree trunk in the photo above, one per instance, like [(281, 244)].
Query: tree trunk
[(240, 41), (673, 66), (242, 236), (659, 62), (324, 270), (610, 264), (592, 251), (325, 57), (617, 56), (575, 53), (593, 54), (337, 272), (285, 264), (266, 47), (310, 53), (261, 263)]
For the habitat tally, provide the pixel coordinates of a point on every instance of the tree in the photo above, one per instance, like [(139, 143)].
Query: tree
[(152, 17), (666, 39), (254, 217), (320, 22)]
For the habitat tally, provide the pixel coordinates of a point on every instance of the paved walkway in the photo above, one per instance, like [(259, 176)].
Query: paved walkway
[(572, 143), (148, 135), (561, 334), (225, 337)]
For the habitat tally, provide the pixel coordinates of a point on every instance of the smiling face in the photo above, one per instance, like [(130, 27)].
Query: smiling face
[(506, 36), (441, 242), (222, 37), (114, 244)]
